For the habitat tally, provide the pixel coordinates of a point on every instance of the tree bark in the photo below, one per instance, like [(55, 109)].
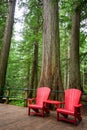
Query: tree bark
[(34, 73), (74, 79), (6, 44), (50, 71)]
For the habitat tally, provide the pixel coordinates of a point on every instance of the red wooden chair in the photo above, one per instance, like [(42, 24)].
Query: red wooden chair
[(39, 107), (71, 106)]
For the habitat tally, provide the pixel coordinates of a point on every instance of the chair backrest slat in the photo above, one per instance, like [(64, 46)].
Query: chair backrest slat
[(43, 93), (72, 97)]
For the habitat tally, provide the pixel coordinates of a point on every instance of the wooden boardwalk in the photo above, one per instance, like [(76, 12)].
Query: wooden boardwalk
[(16, 118)]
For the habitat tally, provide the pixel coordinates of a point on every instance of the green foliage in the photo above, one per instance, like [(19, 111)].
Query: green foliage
[(17, 102), (21, 53), (65, 14)]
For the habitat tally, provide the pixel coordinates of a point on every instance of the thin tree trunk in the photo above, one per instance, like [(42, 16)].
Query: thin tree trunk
[(34, 76), (6, 44), (83, 76)]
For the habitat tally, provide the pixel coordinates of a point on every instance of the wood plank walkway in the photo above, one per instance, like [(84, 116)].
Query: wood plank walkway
[(16, 118)]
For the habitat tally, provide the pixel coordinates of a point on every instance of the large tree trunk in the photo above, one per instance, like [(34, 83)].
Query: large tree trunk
[(74, 74), (50, 72), (6, 44)]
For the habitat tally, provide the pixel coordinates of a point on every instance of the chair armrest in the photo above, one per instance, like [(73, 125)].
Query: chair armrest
[(77, 108), (79, 105), (30, 100), (62, 102)]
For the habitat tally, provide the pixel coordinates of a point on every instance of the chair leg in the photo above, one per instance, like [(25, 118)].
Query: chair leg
[(75, 120), (57, 116), (28, 111), (79, 117), (47, 110), (42, 112)]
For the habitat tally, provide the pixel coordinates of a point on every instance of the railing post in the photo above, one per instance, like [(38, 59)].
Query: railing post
[(25, 97), (7, 96)]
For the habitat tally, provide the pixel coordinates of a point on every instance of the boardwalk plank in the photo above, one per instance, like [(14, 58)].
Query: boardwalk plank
[(16, 118)]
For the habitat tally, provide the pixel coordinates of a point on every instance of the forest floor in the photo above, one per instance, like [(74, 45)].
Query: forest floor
[(16, 118)]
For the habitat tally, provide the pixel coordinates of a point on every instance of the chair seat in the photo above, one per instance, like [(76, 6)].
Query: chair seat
[(35, 106), (65, 111)]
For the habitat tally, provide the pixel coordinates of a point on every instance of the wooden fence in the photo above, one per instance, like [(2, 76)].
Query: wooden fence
[(23, 95)]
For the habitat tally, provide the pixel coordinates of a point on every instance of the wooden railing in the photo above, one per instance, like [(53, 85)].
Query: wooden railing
[(9, 96), (24, 96)]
